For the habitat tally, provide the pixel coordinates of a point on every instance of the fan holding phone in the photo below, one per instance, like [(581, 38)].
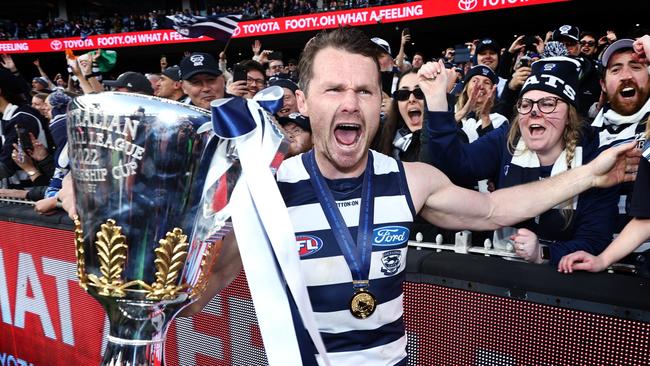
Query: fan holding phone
[(248, 79)]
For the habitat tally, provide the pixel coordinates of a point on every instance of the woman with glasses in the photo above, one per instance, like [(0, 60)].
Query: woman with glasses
[(546, 137), (475, 103)]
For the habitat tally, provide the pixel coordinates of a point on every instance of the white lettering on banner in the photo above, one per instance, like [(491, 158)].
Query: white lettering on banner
[(4, 293), (165, 36), (109, 41), (186, 337), (300, 23), (149, 37), (501, 2), (11, 360), (23, 46), (261, 27), (352, 18), (78, 43), (175, 36), (396, 13), (28, 277), (63, 272)]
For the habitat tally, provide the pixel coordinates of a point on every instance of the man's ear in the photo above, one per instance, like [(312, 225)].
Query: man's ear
[(302, 103), (602, 85)]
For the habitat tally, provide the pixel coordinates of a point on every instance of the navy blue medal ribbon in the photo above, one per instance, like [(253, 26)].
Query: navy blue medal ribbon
[(358, 256)]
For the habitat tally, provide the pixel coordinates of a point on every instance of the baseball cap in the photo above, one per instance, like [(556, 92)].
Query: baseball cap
[(619, 45), (382, 44), (199, 63), (134, 81), (297, 118), (284, 83), (173, 72), (488, 44), (567, 31)]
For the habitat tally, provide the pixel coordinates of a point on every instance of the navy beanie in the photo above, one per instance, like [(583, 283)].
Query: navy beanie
[(556, 75)]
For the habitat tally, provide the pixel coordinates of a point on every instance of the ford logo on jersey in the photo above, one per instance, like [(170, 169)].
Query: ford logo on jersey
[(390, 235), (308, 245)]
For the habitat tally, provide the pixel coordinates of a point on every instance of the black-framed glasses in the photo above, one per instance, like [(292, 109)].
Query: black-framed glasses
[(405, 94), (587, 43), (545, 105), (258, 82)]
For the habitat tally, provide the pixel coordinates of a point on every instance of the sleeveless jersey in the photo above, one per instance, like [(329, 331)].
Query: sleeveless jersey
[(379, 339)]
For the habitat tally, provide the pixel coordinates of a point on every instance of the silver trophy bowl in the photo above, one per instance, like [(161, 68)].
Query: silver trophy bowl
[(144, 247)]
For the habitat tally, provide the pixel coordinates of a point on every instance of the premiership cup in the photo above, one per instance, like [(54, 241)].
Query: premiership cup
[(146, 233)]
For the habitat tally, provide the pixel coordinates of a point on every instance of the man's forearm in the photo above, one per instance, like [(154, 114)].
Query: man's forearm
[(519, 203)]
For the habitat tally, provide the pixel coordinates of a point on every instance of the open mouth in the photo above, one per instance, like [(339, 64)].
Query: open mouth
[(536, 129), (347, 134), (415, 115), (628, 92)]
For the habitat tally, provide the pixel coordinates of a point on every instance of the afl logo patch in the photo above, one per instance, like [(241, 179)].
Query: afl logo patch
[(308, 245)]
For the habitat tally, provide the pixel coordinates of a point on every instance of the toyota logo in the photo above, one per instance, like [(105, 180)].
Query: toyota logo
[(236, 32), (467, 5), (56, 45)]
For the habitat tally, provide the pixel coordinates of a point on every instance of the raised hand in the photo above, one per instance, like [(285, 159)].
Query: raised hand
[(8, 63), (256, 47), (517, 45)]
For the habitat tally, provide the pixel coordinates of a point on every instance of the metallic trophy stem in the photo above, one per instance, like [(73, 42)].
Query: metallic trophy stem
[(137, 329)]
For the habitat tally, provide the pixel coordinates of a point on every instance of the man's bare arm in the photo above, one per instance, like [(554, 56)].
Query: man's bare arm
[(449, 206)]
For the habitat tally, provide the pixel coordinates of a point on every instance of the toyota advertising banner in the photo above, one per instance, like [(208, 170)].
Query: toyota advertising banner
[(256, 28)]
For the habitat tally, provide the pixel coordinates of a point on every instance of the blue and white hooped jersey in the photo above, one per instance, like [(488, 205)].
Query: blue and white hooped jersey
[(379, 339)]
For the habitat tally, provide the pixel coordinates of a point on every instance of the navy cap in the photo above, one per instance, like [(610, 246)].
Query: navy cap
[(297, 118), (488, 44), (173, 73), (199, 63), (284, 83), (566, 31), (135, 82)]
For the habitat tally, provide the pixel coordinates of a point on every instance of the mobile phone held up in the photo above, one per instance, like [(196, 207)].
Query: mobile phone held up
[(239, 73), (23, 139)]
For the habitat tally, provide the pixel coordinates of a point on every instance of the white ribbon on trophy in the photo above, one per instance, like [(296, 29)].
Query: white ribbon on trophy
[(261, 222)]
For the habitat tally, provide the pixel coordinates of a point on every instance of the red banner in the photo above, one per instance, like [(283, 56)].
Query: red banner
[(256, 28), (47, 319), (150, 38), (375, 15)]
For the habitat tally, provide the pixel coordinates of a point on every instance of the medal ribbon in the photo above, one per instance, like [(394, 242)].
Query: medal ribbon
[(357, 256)]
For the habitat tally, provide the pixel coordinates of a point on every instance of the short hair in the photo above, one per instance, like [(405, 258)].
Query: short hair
[(588, 33), (41, 96), (345, 38), (252, 65)]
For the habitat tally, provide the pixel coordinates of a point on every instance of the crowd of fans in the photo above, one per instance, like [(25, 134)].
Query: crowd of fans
[(490, 93), (86, 25)]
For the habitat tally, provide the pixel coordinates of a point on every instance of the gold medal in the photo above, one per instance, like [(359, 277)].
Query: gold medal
[(362, 304)]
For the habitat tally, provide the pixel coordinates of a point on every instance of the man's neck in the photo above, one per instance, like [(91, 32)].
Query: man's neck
[(332, 171)]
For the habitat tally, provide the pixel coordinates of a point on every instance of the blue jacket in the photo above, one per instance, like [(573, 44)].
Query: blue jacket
[(592, 223)]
